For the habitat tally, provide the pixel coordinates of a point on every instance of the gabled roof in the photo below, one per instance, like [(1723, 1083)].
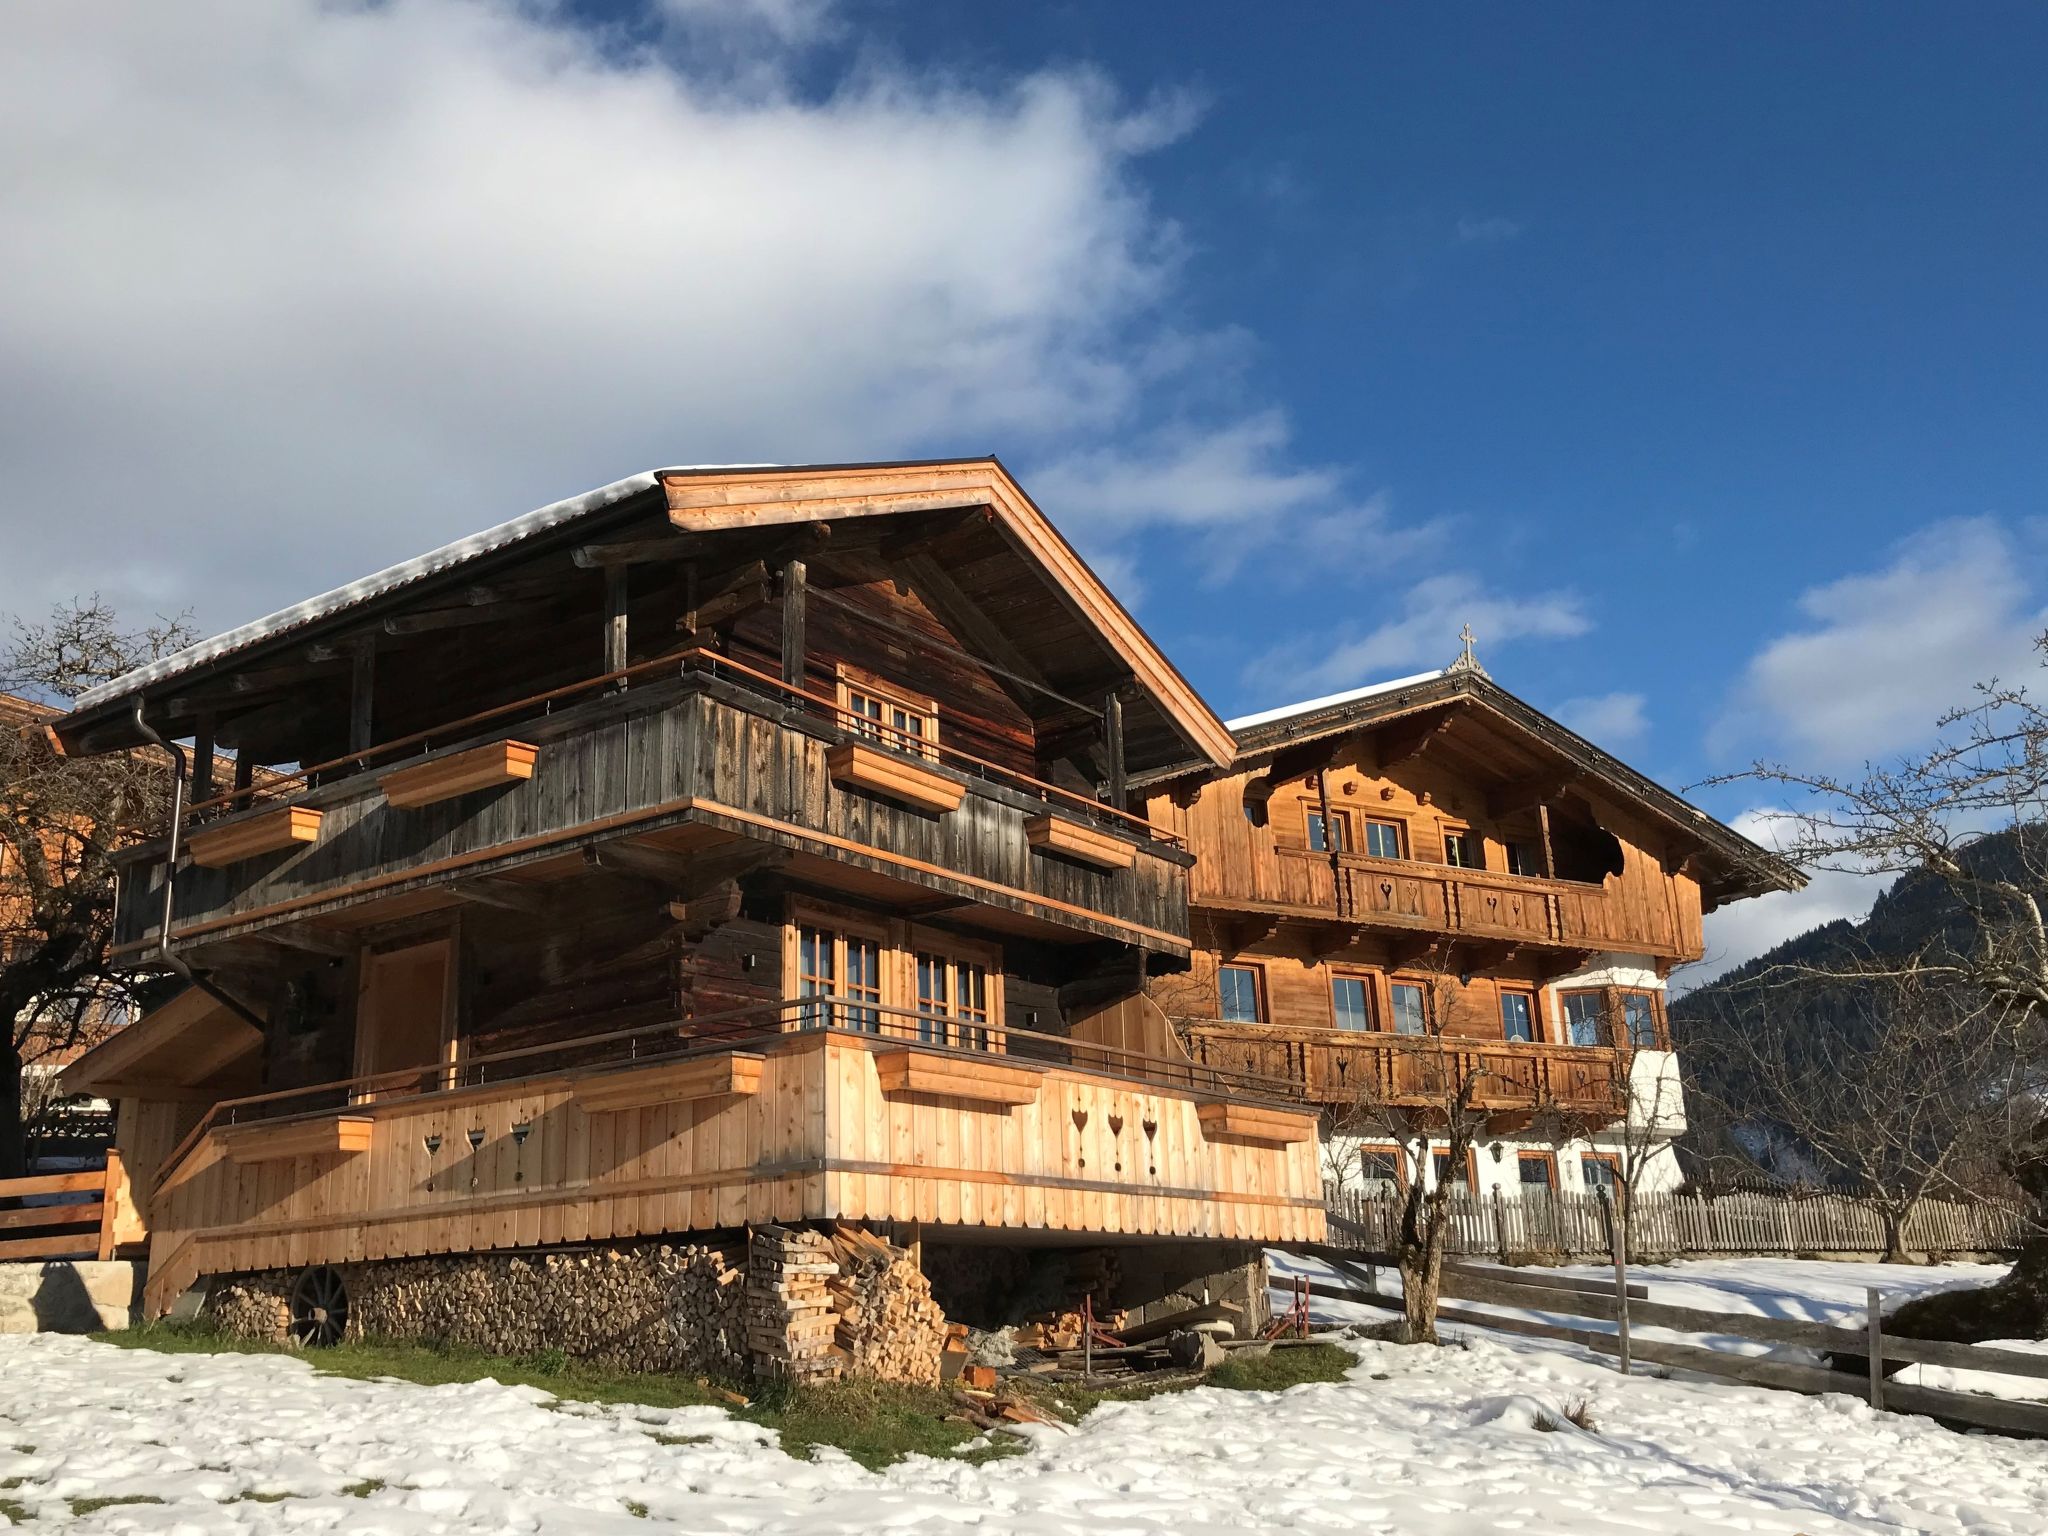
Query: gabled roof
[(1748, 867), (708, 499)]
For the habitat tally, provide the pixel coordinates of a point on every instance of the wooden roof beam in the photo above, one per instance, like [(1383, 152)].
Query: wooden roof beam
[(1512, 799), (1405, 743)]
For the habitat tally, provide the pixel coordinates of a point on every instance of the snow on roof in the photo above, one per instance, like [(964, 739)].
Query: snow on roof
[(386, 580), (1329, 701)]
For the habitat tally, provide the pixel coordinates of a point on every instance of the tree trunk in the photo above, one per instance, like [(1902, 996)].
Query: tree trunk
[(1423, 1230), (13, 1136), (1894, 1219)]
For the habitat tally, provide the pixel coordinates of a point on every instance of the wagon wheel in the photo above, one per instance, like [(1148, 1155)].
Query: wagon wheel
[(319, 1308)]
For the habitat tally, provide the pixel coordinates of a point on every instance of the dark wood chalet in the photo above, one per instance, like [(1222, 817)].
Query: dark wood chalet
[(1427, 884), (720, 847)]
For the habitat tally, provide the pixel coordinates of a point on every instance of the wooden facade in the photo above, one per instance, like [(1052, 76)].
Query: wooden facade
[(1393, 893), (808, 786)]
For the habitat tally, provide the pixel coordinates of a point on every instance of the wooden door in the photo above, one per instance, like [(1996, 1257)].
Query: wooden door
[(403, 1012)]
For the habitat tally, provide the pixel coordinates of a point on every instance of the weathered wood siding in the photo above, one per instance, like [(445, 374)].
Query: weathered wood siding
[(664, 755)]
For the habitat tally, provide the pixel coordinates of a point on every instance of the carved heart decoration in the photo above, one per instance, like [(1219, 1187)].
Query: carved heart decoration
[(1080, 1119), (1116, 1125), (1151, 1127)]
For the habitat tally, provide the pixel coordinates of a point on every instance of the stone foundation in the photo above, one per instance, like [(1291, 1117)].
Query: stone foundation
[(69, 1295)]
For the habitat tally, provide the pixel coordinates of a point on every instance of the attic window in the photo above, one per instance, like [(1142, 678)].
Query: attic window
[(887, 715)]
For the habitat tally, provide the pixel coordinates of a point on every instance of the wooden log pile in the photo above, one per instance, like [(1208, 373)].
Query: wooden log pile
[(887, 1323), (790, 1321), (1092, 1278)]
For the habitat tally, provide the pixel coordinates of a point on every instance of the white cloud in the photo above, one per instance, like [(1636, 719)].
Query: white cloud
[(1607, 720), (1883, 653), (1423, 633), (1745, 929), (291, 289)]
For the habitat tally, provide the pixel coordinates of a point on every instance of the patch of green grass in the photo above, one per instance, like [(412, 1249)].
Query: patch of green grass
[(18, 1513), (1284, 1368), (875, 1423), (364, 1489), (261, 1498), (88, 1506), (636, 1509)]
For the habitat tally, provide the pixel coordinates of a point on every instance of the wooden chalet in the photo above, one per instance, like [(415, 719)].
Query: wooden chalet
[(1428, 883), (726, 846)]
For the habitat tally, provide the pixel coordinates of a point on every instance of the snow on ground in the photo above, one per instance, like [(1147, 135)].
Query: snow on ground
[(1420, 1442)]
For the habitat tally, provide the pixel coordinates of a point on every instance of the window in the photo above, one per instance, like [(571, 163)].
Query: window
[(1351, 1001), (1459, 848), (833, 964), (953, 989), (1459, 1175), (1639, 1020), (1584, 1023), (1331, 833), (1411, 1009), (1600, 1171), (1383, 839), (1518, 1016), (888, 715), (1238, 986), (1538, 1171), (1522, 859), (1379, 1170)]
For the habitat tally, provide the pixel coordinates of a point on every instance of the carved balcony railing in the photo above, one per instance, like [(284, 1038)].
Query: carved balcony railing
[(1342, 1068)]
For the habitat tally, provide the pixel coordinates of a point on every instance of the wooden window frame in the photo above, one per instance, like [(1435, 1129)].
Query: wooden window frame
[(1471, 1168), (1609, 1160), (1261, 996), (1502, 992), (1404, 835), (849, 680), (1388, 1149), (1605, 1015), (1370, 982), (1547, 1159), (842, 923), (1428, 1005), (955, 951), (1614, 1017), (1473, 844), (1339, 816)]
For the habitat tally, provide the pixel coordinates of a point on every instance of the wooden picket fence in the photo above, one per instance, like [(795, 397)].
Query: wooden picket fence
[(1540, 1226)]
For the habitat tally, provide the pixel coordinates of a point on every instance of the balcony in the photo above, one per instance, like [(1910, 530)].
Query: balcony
[(1511, 1080), (697, 742), (1403, 895), (820, 1110)]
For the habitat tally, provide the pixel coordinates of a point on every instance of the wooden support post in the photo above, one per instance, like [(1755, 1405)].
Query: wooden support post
[(794, 583), (1874, 1300), (615, 636), (1617, 1238), (1113, 747), (202, 757), (362, 689), (1500, 1224), (245, 775), (1549, 853)]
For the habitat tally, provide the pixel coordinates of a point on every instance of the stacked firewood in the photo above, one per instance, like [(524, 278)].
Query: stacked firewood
[(790, 1323), (889, 1326), (1092, 1278)]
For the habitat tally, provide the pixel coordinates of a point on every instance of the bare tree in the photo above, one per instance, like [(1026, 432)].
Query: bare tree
[(1890, 1089), (1967, 814), (60, 821), (1429, 1103)]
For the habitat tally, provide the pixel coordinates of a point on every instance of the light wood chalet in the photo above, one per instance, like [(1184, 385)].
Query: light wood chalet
[(1410, 888), (721, 847)]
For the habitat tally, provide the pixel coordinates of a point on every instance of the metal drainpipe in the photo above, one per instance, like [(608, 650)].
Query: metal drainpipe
[(176, 963)]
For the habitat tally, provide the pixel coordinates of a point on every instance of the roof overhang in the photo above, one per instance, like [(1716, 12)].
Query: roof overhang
[(1745, 868)]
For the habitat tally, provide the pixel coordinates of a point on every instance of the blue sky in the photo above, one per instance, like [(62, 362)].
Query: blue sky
[(1696, 355)]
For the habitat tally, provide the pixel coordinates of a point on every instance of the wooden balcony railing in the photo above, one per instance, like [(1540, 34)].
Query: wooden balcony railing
[(1435, 898), (1341, 1068)]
